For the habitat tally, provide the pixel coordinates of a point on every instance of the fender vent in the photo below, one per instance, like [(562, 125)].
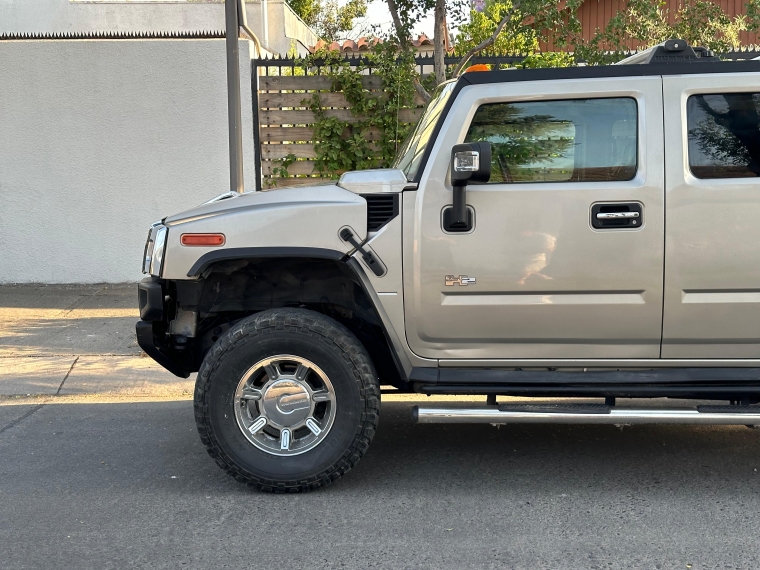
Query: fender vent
[(381, 209)]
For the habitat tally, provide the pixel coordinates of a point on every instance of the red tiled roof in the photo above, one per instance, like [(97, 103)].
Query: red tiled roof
[(365, 44)]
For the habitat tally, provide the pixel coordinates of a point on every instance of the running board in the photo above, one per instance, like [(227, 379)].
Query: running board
[(587, 414)]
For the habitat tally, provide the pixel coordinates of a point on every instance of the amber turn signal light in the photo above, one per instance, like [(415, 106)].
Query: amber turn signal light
[(478, 67), (205, 240)]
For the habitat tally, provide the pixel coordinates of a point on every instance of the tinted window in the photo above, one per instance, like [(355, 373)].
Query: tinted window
[(578, 140), (413, 150), (724, 141)]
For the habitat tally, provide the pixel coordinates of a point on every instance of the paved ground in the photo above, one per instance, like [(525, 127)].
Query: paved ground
[(110, 473), (63, 340)]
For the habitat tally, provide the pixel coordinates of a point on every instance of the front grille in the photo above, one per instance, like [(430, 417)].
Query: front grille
[(381, 209)]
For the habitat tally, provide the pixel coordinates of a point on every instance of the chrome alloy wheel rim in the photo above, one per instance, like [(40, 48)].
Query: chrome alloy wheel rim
[(285, 405)]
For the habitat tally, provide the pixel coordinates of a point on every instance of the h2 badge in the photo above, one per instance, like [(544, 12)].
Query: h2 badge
[(461, 280)]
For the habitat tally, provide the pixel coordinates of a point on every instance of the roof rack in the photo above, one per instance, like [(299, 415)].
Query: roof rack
[(671, 51)]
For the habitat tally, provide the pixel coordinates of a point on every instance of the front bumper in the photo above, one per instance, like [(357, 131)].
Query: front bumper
[(150, 297), (147, 341), (152, 328)]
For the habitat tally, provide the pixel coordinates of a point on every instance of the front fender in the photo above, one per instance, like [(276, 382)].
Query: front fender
[(292, 218)]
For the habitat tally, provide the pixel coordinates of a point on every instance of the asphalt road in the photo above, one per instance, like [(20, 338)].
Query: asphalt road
[(117, 485)]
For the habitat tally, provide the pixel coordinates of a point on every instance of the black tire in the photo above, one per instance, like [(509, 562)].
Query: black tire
[(310, 335)]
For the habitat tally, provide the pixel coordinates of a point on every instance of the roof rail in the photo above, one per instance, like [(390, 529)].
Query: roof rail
[(671, 51)]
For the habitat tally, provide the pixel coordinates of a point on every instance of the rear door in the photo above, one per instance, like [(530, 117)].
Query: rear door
[(712, 240), (566, 256)]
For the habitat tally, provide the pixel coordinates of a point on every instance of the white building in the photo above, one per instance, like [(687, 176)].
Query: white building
[(279, 29), (101, 137)]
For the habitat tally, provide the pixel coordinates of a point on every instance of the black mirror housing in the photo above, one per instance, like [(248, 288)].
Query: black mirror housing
[(470, 163)]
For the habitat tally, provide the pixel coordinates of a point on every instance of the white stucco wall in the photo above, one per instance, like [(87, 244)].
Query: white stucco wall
[(98, 139), (284, 29)]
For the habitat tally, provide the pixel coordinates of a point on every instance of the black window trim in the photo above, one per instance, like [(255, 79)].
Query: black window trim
[(586, 72)]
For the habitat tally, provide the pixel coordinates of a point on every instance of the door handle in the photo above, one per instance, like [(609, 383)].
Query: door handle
[(616, 215)]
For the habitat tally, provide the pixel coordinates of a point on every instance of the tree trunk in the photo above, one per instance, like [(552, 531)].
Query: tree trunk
[(439, 42), (402, 34)]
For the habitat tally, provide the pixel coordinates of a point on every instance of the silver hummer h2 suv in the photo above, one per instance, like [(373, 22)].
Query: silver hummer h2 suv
[(591, 232)]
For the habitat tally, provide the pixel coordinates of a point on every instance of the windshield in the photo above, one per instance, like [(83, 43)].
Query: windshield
[(411, 153)]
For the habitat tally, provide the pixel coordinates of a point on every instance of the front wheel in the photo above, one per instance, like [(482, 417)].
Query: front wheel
[(287, 400)]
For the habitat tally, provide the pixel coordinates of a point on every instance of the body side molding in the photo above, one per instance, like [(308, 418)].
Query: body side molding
[(655, 376), (512, 363), (707, 383)]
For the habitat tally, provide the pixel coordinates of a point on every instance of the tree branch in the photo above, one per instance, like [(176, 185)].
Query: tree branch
[(709, 110), (485, 43), (401, 32), (421, 90), (402, 35)]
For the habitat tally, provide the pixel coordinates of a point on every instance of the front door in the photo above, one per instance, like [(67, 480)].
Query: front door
[(565, 259), (712, 260)]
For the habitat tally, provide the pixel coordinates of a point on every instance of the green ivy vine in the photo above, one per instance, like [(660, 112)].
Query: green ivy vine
[(281, 170), (376, 127)]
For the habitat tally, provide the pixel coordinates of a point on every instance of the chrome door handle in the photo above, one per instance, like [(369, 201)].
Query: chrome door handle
[(616, 215)]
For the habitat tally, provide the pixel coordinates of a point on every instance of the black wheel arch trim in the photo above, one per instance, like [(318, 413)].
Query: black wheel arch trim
[(361, 277), (208, 259)]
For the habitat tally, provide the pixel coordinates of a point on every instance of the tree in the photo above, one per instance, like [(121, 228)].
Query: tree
[(517, 26), (517, 23), (644, 23), (484, 18), (328, 18), (307, 10)]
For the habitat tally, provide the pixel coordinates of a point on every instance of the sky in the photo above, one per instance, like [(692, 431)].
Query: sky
[(378, 14)]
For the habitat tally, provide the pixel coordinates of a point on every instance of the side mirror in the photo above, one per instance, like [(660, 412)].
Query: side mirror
[(470, 163)]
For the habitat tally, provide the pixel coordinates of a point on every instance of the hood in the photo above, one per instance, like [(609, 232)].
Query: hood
[(305, 195), (302, 218)]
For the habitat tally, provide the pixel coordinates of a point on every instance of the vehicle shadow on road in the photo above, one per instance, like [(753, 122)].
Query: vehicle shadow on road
[(133, 481), (550, 457), (139, 441)]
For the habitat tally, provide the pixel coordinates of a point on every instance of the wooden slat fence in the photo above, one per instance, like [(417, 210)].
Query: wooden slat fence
[(285, 122)]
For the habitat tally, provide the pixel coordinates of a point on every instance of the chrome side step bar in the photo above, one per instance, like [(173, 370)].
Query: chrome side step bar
[(588, 414)]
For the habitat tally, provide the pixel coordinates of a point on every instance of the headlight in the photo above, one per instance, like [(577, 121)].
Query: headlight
[(159, 245), (148, 253), (154, 249)]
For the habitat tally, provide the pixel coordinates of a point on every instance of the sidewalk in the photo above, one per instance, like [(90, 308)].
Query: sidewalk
[(77, 340)]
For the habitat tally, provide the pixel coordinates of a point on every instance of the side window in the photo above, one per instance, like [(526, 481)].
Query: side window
[(574, 140), (724, 135)]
